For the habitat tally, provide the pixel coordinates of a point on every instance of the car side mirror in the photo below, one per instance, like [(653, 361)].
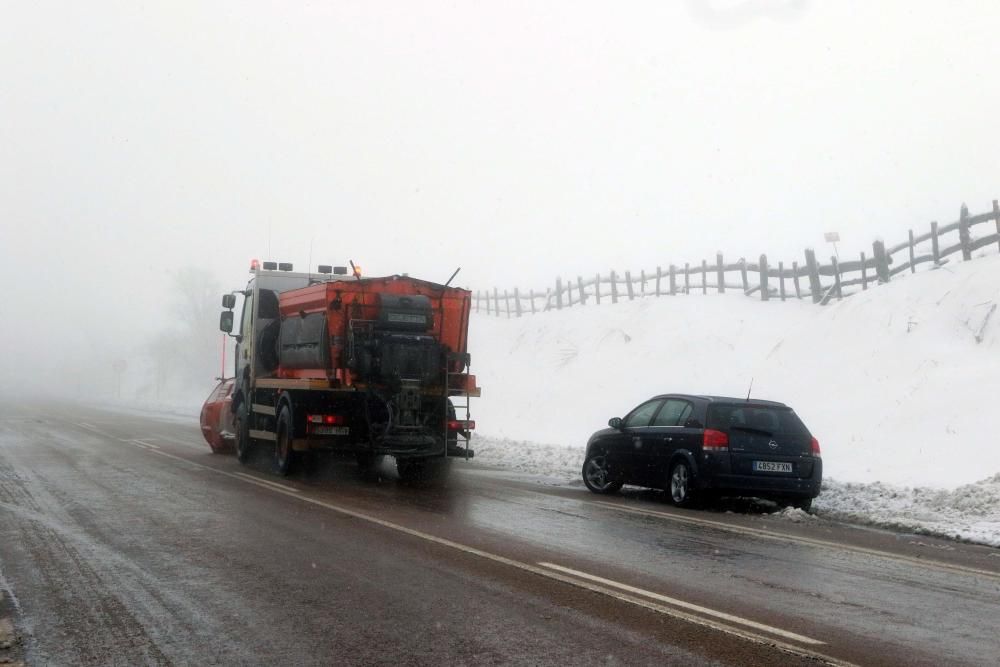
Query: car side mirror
[(615, 423), (228, 300), (226, 321)]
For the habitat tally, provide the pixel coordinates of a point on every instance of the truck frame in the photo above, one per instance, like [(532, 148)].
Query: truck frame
[(365, 366)]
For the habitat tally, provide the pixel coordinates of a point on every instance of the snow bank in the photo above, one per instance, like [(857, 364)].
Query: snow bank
[(896, 382)]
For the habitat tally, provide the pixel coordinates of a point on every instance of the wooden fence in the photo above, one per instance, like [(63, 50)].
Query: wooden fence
[(813, 279)]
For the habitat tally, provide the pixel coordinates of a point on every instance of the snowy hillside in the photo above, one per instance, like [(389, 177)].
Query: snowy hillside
[(898, 383)]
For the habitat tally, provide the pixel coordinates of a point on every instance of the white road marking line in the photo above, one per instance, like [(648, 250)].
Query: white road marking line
[(688, 605), (783, 537), (143, 442), (258, 480), (527, 567)]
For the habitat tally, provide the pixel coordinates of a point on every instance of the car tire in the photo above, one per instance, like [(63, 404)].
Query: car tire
[(283, 453), (680, 485), (241, 426), (598, 475)]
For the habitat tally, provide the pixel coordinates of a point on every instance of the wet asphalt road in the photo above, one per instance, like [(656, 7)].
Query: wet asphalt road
[(124, 541)]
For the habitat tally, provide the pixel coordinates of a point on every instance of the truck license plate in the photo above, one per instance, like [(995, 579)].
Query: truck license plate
[(772, 466), (331, 430)]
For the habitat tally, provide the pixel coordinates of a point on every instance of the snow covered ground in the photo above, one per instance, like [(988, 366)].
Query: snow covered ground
[(898, 383)]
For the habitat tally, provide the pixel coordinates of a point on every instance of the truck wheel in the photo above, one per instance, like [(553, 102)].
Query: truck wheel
[(241, 426), (283, 454), (680, 485)]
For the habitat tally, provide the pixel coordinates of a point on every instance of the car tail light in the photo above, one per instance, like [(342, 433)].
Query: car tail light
[(461, 425), (329, 420), (814, 446), (714, 441)]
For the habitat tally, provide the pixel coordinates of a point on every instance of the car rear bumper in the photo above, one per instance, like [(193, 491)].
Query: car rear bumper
[(791, 487)]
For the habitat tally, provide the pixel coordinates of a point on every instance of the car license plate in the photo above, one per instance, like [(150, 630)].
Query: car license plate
[(772, 466), (331, 430)]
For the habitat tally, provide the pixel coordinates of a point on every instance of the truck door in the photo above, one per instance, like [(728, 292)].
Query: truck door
[(244, 344)]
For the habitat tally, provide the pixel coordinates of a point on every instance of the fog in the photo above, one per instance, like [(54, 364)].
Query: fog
[(148, 146)]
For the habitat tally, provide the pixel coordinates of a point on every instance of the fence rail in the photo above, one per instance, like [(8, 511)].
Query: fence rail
[(770, 281)]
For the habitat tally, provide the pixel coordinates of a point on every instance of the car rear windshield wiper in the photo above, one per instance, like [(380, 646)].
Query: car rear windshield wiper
[(750, 429)]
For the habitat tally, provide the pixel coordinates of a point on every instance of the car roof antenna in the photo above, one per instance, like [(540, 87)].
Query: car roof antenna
[(749, 390)]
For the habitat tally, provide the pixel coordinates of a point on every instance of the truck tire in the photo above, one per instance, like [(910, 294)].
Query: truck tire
[(241, 427), (283, 453)]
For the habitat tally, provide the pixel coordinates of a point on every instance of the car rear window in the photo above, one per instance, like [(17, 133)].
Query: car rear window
[(768, 419)]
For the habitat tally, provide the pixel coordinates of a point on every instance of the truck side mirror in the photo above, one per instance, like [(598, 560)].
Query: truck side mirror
[(228, 300), (615, 423), (226, 321)]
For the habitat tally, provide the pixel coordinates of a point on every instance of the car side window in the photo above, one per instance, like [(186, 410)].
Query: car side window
[(674, 412), (642, 415)]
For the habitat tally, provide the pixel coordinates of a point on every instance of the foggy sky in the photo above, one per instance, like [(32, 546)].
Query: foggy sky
[(518, 140)]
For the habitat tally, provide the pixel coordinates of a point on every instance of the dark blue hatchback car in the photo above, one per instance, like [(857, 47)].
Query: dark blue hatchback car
[(694, 445)]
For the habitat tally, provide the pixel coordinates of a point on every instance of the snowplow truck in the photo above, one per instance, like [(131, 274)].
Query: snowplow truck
[(363, 366)]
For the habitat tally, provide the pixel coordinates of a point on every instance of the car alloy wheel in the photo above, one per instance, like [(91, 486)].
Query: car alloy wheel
[(681, 493), (597, 475)]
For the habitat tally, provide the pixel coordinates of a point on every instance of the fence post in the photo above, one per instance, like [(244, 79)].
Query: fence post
[(558, 293), (814, 285), (996, 218), (687, 277), (881, 261), (720, 273), (765, 293), (614, 288), (935, 251), (673, 280), (496, 301), (795, 279), (836, 277), (597, 288), (517, 302), (642, 282), (659, 271), (583, 295), (506, 302), (864, 273), (964, 237), (628, 285), (743, 274), (781, 280), (704, 276), (913, 267), (569, 293)]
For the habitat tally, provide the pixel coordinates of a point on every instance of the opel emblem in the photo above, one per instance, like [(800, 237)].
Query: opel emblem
[(772, 444)]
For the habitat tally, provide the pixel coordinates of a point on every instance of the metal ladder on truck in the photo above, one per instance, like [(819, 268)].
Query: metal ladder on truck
[(451, 395)]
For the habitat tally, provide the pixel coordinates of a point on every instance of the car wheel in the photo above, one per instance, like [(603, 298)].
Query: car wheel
[(680, 485), (241, 426), (283, 454), (598, 475)]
